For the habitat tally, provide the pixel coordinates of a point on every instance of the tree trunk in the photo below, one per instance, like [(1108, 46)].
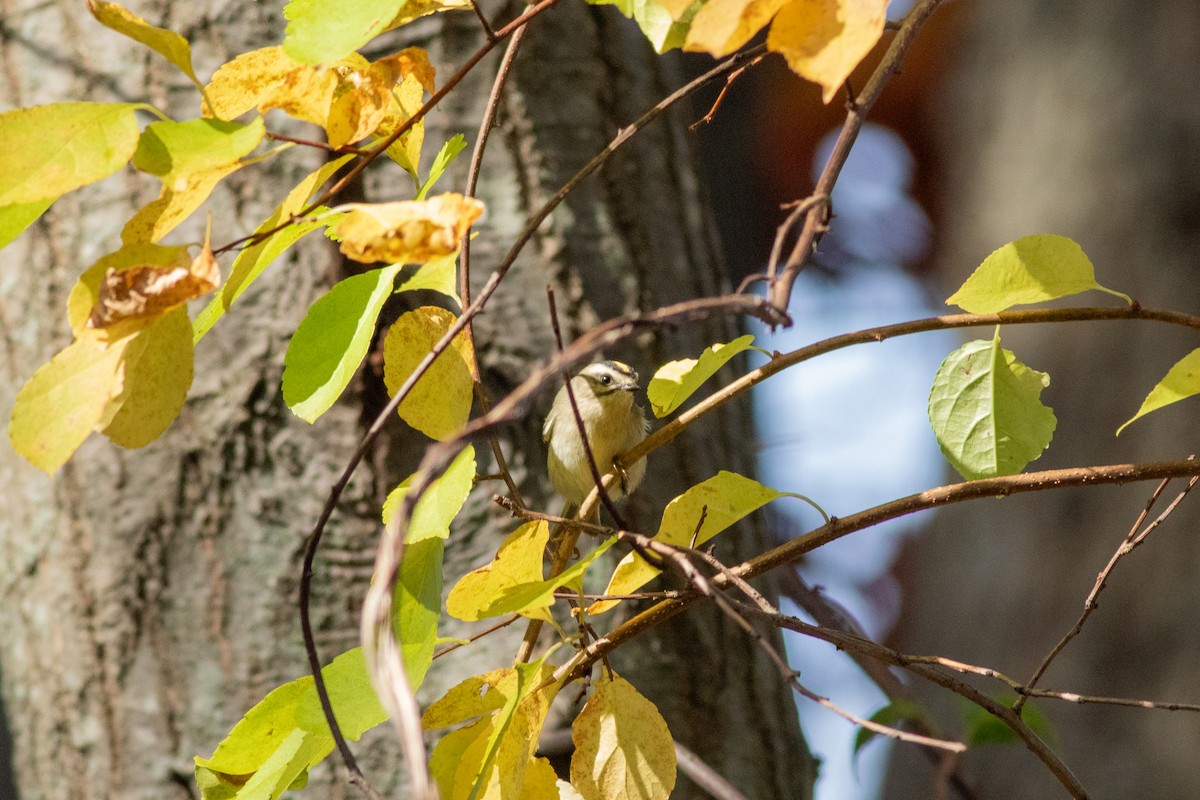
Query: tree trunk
[(151, 595), (1077, 118)]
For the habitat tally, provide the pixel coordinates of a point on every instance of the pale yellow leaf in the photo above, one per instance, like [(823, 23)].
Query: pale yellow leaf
[(242, 83), (176, 203), (168, 44), (623, 749), (699, 514), (470, 698), (64, 401), (824, 40), (518, 561), (722, 26), (157, 373), (440, 401), (407, 231)]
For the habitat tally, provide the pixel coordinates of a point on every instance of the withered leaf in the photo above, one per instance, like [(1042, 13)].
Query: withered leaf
[(408, 231), (147, 291)]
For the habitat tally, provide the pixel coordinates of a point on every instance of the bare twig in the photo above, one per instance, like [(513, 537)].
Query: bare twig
[(781, 287), (450, 648), (464, 260), (705, 776), (1132, 539)]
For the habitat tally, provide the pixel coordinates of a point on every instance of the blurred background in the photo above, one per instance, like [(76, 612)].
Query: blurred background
[(1007, 119)]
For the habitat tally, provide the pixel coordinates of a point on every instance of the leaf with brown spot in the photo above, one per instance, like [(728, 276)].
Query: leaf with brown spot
[(146, 291), (408, 231)]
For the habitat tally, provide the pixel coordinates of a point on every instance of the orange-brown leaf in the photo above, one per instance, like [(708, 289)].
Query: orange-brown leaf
[(148, 291)]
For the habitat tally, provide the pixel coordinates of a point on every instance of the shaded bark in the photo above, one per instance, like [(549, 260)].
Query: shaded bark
[(150, 595)]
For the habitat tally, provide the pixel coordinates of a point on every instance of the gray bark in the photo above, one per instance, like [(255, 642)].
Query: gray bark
[(1080, 119), (150, 596)]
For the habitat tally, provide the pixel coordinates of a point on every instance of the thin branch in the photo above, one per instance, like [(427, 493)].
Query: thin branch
[(705, 776), (780, 291), (326, 146), (464, 260), (450, 648), (1132, 539)]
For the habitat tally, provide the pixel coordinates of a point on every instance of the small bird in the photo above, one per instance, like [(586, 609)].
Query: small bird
[(613, 421)]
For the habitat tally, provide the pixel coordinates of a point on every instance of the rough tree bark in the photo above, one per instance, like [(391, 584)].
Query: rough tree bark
[(1077, 118), (150, 596)]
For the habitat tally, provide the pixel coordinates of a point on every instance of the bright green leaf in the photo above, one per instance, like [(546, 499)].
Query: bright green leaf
[(1030, 270), (322, 31), (986, 413), (656, 22), (676, 381), (168, 44), (64, 401), (332, 340), (158, 374), (623, 749), (172, 150), (1182, 380), (982, 727), (251, 261), (447, 154), (285, 734), (440, 401), (418, 603), (438, 274), (16, 218), (440, 503), (50, 150), (719, 501)]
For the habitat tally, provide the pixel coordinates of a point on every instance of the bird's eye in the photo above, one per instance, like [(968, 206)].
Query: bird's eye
[(606, 379)]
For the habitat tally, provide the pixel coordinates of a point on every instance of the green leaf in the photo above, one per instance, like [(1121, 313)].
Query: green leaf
[(322, 31), (1181, 381), (172, 150), (16, 218), (698, 514), (447, 154), (50, 150), (1030, 270), (986, 413), (982, 727), (157, 376), (64, 401), (251, 261), (676, 381), (285, 734), (418, 602), (332, 340), (655, 21), (168, 44), (438, 274), (441, 502), (892, 713)]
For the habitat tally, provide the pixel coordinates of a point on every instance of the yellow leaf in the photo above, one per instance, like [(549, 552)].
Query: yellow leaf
[(470, 698), (719, 501), (414, 9), (168, 44), (518, 561), (440, 402), (157, 370), (722, 26), (64, 400), (176, 203), (676, 8), (146, 291), (86, 290), (242, 83), (407, 231), (623, 749), (440, 503), (824, 40), (406, 100)]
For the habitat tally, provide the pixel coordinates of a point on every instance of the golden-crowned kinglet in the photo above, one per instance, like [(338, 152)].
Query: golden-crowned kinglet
[(613, 422)]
